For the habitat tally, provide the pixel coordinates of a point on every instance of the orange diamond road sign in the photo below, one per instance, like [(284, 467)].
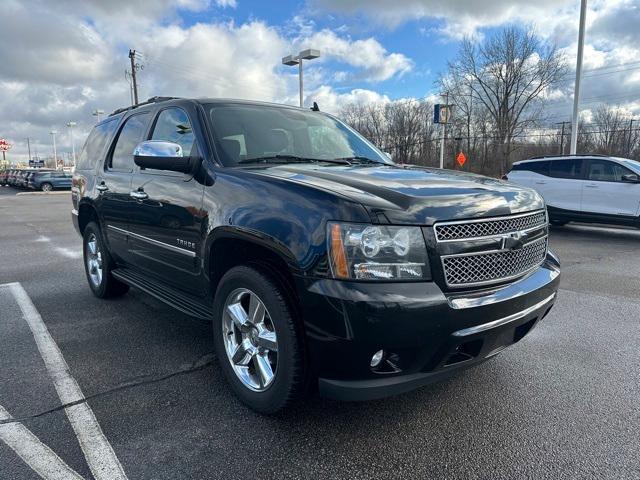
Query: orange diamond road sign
[(461, 159)]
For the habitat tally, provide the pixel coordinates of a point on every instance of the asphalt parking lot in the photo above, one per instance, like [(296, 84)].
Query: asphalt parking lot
[(563, 403)]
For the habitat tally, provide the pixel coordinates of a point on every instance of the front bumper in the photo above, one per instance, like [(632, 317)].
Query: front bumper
[(76, 221), (427, 334)]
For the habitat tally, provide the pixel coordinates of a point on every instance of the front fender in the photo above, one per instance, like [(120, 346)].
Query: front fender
[(286, 217)]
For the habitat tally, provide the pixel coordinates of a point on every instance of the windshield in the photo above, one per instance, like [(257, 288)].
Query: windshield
[(256, 133), (632, 164)]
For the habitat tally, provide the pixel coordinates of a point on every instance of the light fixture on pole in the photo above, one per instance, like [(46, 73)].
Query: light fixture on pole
[(292, 60), (53, 134), (97, 113), (576, 92), (73, 143)]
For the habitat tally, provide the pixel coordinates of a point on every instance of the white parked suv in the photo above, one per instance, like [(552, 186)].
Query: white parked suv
[(585, 188)]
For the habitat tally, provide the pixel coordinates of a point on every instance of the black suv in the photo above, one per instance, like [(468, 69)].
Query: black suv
[(319, 261)]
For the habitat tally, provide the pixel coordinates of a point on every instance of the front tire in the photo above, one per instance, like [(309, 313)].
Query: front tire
[(258, 341), (558, 223), (46, 187), (98, 265)]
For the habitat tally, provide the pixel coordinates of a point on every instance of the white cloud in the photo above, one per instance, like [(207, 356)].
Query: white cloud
[(612, 36), (63, 60), (460, 17), (331, 101), (375, 62), (227, 3)]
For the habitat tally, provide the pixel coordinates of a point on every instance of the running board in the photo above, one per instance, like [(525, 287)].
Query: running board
[(180, 301)]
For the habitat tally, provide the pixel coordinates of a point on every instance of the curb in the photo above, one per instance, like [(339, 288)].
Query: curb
[(63, 192)]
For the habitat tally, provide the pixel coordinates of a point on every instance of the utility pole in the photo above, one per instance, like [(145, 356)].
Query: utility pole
[(562, 136), (29, 147), (444, 129), (630, 137), (132, 57), (576, 91)]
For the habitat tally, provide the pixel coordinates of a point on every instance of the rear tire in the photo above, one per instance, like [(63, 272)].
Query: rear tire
[(98, 265), (270, 340), (46, 187)]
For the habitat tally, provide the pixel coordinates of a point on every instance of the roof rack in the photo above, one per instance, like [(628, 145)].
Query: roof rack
[(569, 155), (150, 100)]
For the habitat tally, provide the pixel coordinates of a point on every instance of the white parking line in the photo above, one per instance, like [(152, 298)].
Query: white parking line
[(97, 450), (69, 253), (33, 452), (64, 251)]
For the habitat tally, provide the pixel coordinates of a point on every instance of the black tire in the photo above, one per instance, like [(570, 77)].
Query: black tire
[(108, 286), (289, 383), (558, 223), (46, 187)]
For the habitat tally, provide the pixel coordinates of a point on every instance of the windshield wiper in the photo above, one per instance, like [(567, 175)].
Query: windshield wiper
[(291, 159), (358, 159)]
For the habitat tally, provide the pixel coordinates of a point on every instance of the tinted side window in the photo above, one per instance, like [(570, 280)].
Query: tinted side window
[(571, 169), (94, 146), (541, 167), (606, 171), (130, 135), (173, 125)]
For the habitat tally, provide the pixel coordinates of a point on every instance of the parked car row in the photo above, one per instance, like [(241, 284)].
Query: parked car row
[(36, 179)]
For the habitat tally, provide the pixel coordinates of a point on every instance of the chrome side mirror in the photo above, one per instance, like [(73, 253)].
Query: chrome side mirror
[(158, 148), (162, 155)]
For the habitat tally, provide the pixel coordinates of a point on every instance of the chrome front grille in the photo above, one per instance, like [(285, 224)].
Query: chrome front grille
[(500, 265), (465, 230), (493, 250)]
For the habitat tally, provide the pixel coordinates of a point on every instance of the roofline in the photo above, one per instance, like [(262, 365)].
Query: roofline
[(574, 155), (148, 102)]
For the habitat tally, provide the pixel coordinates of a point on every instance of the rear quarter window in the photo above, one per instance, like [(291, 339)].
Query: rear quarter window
[(570, 169), (94, 147)]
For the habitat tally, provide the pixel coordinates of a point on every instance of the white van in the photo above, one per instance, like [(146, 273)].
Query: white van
[(585, 188)]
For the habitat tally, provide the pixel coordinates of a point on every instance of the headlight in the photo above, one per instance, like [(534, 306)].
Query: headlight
[(377, 252)]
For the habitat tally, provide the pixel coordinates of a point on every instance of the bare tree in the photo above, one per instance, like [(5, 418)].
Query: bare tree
[(611, 136), (508, 75)]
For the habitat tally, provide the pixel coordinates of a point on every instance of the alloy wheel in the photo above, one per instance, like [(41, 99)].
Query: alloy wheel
[(94, 260), (250, 339)]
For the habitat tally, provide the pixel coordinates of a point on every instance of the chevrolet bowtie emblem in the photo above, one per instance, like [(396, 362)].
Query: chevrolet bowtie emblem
[(513, 241)]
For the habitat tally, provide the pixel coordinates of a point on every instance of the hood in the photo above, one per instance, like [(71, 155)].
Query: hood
[(413, 195)]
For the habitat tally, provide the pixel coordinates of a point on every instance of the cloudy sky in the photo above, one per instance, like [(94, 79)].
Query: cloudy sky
[(61, 60)]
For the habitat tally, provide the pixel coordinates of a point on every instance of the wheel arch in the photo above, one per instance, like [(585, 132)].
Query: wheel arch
[(87, 212), (227, 247)]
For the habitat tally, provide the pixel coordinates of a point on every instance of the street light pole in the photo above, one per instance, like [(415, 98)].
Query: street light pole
[(576, 92), (300, 82), (73, 143), (97, 113), (53, 134), (292, 60), (444, 129)]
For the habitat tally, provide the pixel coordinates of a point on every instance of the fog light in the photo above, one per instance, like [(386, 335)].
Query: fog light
[(377, 358)]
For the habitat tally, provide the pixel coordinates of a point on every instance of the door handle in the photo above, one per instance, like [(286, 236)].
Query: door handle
[(591, 186), (138, 195), (102, 187), (541, 183)]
